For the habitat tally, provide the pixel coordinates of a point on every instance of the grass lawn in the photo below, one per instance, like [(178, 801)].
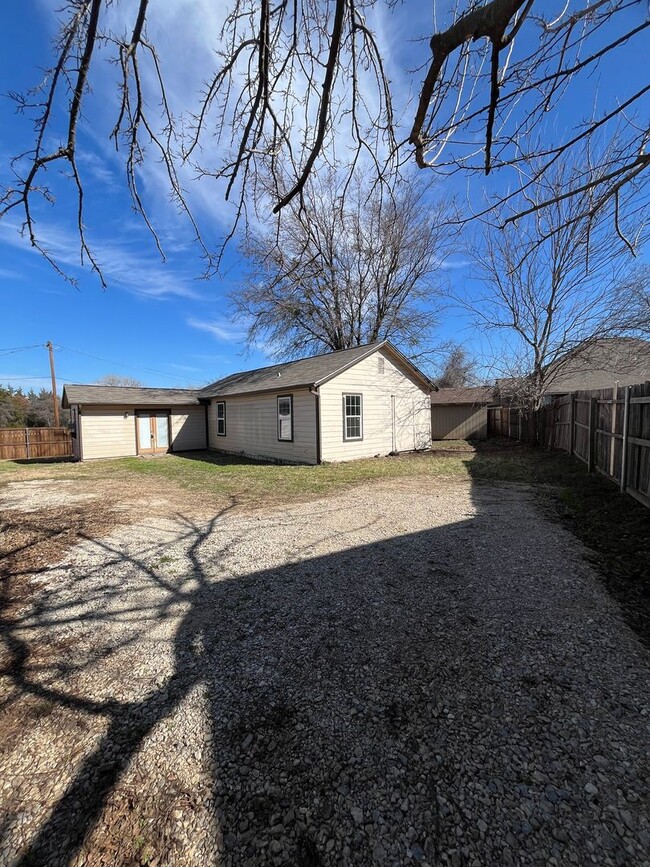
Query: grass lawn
[(253, 481)]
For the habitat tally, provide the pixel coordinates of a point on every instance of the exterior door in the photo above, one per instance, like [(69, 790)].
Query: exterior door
[(402, 415), (153, 432)]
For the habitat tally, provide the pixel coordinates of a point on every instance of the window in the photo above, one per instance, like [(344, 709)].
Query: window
[(352, 417), (285, 418), (221, 418)]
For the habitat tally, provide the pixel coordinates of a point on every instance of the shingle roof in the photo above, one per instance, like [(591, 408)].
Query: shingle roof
[(104, 395), (600, 364), (479, 395), (304, 372)]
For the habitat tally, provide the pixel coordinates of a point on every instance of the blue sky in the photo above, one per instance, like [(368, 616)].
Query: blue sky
[(157, 322)]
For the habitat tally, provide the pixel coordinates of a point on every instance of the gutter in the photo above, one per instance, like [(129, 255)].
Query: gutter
[(206, 403), (80, 445)]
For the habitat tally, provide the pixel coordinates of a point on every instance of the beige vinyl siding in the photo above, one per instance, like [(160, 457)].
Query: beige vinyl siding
[(412, 415), (252, 427), (458, 422), (105, 433), (188, 428)]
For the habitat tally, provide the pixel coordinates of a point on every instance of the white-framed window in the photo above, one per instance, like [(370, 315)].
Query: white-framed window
[(221, 418), (285, 418), (352, 416)]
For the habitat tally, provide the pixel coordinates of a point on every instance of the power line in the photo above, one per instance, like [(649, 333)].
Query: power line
[(128, 366), (27, 376), (21, 348)]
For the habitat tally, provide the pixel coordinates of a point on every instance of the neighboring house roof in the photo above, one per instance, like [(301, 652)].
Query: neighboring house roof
[(599, 364), (480, 395), (305, 372), (105, 395)]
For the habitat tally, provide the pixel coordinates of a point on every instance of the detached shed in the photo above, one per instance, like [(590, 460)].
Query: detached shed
[(115, 421), (460, 413)]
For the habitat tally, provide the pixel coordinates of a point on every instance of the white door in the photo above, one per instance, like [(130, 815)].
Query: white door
[(403, 419)]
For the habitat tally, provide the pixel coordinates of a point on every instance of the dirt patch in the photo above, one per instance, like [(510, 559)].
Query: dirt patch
[(32, 540), (30, 496)]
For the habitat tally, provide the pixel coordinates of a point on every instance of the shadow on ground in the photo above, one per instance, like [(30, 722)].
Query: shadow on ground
[(437, 696)]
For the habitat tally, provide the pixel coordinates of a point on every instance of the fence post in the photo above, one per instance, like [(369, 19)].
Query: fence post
[(572, 423), (612, 441), (626, 429), (593, 419), (27, 442)]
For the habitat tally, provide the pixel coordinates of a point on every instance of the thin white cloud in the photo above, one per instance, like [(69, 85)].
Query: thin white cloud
[(222, 329), (99, 168), (454, 264), (11, 274), (185, 367), (121, 263)]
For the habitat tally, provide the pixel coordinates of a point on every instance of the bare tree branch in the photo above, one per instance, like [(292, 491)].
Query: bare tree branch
[(304, 86), (345, 271)]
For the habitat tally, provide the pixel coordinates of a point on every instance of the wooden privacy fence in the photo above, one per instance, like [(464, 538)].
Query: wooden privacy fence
[(607, 429), (24, 443)]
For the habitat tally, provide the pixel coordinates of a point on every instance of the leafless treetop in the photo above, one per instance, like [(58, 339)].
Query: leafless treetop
[(302, 83)]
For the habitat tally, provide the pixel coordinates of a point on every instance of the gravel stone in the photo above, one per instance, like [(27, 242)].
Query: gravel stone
[(410, 671)]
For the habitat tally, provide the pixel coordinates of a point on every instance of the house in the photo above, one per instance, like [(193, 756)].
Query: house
[(595, 364), (354, 403), (460, 413), (600, 364)]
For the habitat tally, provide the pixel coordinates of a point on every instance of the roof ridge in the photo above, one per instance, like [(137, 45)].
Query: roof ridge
[(140, 387), (293, 361)]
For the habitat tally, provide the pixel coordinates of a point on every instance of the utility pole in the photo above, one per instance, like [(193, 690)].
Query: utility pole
[(55, 399)]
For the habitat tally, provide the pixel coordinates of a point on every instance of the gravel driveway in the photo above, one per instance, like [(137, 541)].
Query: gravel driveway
[(394, 675)]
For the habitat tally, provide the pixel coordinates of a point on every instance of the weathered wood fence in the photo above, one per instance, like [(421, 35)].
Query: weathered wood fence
[(607, 429), (24, 443)]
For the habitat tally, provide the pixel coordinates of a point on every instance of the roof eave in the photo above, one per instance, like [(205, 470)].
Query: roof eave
[(275, 390)]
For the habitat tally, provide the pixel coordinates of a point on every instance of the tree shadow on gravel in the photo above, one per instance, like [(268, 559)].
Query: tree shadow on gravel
[(614, 527), (394, 702)]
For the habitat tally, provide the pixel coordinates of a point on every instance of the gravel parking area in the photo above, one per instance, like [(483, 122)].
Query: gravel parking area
[(403, 673)]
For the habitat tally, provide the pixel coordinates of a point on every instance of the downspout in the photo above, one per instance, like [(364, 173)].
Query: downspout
[(80, 447), (313, 390), (206, 405)]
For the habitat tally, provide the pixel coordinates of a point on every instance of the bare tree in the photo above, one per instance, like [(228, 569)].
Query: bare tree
[(550, 284), (458, 369), (295, 85), (351, 267), (631, 305), (117, 379)]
